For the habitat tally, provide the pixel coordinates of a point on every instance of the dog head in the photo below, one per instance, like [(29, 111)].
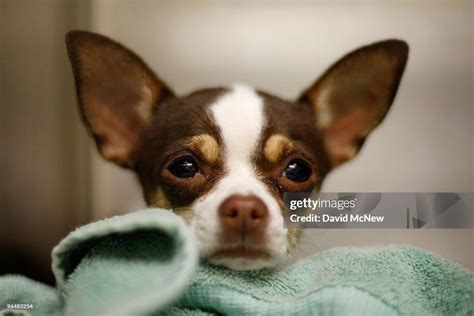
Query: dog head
[(222, 157)]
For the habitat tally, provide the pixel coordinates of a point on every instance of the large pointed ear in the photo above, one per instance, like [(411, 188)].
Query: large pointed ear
[(352, 97), (117, 93)]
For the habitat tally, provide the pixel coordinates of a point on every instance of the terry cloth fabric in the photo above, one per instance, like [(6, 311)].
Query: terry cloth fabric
[(145, 263), (16, 289), (392, 280)]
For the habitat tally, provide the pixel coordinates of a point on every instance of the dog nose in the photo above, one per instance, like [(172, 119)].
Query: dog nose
[(243, 216)]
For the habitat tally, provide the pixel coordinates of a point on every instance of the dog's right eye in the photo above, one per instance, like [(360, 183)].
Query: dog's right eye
[(297, 171), (184, 168)]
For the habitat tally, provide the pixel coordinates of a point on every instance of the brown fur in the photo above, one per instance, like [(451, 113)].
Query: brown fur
[(176, 129)]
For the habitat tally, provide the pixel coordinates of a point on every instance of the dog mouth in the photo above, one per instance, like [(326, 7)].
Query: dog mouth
[(243, 252)]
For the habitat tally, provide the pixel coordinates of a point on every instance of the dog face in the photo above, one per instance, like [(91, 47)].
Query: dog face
[(222, 158)]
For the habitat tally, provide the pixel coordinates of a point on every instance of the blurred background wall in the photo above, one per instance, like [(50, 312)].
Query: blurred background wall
[(44, 155), (53, 179)]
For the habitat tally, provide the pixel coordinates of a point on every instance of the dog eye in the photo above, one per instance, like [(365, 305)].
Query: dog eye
[(297, 171), (185, 168)]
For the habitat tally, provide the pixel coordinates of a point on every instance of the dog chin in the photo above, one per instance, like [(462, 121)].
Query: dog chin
[(244, 264)]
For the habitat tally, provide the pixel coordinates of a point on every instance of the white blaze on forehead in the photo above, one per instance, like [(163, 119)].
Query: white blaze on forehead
[(239, 116)]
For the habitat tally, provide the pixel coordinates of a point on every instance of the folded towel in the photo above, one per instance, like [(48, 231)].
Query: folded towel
[(392, 280), (22, 296), (146, 263)]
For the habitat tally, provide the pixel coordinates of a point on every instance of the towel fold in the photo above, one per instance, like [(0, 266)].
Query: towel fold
[(395, 280), (146, 263)]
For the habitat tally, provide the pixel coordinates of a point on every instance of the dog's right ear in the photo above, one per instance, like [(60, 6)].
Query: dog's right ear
[(353, 96), (117, 93)]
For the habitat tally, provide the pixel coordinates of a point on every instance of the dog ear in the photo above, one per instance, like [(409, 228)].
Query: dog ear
[(352, 97), (117, 93)]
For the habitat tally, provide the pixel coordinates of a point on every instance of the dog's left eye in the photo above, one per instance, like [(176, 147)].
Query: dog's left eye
[(185, 168), (297, 171)]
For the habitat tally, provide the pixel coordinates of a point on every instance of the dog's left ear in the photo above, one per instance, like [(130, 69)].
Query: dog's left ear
[(352, 97)]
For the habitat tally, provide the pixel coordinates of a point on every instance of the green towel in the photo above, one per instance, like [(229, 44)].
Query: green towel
[(145, 263), (345, 281)]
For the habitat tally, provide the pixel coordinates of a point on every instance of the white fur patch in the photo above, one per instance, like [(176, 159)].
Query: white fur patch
[(325, 116), (240, 118)]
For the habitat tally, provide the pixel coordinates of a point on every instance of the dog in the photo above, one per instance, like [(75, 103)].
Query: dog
[(222, 158)]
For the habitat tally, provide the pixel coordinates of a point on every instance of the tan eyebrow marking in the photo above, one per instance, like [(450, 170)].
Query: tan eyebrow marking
[(206, 145), (276, 146)]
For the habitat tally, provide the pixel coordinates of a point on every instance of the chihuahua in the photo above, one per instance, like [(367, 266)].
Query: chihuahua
[(223, 157)]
